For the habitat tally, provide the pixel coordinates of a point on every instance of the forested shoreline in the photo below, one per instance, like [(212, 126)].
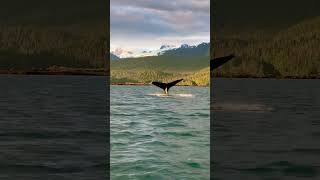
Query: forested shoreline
[(292, 52)]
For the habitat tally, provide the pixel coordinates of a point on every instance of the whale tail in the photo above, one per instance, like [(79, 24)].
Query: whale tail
[(166, 86), (217, 62), (214, 63)]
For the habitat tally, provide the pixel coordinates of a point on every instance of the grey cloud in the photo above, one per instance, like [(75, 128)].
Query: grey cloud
[(155, 18)]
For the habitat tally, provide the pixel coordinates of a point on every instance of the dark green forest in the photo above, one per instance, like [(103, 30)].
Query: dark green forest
[(23, 47), (292, 52), (194, 70)]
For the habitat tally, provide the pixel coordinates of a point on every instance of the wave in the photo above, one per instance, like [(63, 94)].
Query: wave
[(53, 167), (177, 134), (53, 134), (288, 168)]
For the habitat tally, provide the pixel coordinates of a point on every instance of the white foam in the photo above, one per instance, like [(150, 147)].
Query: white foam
[(170, 95), (159, 95), (184, 95)]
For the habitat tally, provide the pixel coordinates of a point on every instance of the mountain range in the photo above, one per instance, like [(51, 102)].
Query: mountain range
[(184, 50), (123, 53)]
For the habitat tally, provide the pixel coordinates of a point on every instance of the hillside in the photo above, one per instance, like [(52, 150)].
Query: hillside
[(42, 35), (160, 68), (27, 47), (162, 63), (200, 78), (171, 65), (292, 52)]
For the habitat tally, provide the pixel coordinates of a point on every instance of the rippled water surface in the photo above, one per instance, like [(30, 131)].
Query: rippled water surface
[(53, 127), (160, 137), (265, 129)]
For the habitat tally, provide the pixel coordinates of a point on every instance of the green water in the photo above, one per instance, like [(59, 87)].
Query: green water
[(159, 137)]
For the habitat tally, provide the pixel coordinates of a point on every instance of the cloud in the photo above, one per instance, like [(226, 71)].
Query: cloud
[(144, 22), (167, 5)]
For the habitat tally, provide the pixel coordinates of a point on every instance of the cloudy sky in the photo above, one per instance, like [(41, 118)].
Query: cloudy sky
[(148, 24)]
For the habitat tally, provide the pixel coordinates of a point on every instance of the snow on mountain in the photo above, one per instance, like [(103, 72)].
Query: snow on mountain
[(187, 50), (122, 53), (186, 46), (164, 49)]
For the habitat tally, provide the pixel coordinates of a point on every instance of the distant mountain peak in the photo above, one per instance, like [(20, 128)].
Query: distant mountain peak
[(203, 43), (184, 46), (202, 49), (114, 57), (166, 46), (122, 53)]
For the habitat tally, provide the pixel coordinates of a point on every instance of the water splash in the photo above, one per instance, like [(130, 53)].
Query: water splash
[(170, 95)]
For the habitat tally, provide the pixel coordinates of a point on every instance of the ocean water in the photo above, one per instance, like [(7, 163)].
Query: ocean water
[(265, 129), (56, 127), (160, 137), (53, 127)]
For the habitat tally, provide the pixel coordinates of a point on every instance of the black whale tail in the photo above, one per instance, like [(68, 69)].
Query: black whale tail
[(166, 86), (217, 62)]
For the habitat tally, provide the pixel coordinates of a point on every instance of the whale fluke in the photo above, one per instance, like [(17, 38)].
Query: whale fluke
[(166, 86), (217, 62)]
